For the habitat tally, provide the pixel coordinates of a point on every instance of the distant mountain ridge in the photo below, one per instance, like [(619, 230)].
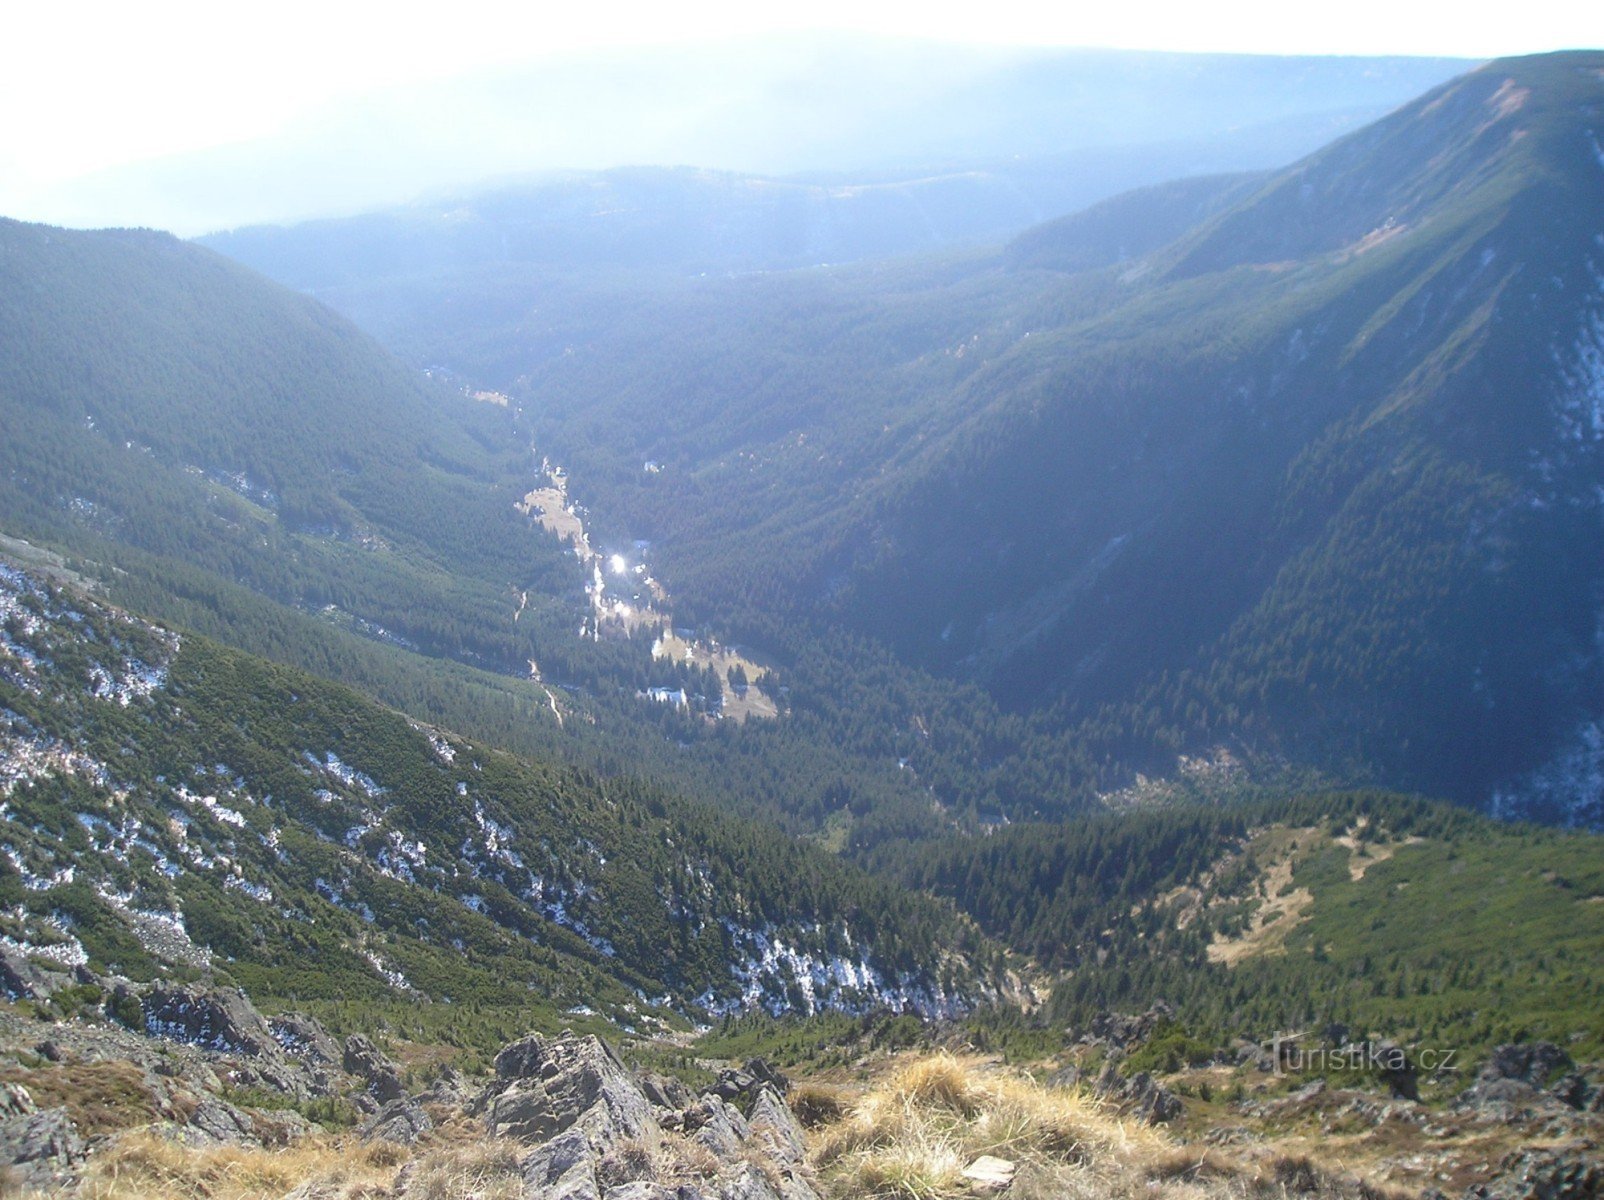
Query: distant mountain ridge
[(1284, 483), (818, 150)]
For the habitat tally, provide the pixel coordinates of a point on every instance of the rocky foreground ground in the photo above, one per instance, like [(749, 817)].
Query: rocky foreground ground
[(123, 1091)]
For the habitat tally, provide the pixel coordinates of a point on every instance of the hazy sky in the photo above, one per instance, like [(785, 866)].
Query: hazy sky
[(92, 85)]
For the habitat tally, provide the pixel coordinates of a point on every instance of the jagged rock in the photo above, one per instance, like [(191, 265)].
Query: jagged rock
[(1142, 1095), (772, 1122), (282, 1127), (749, 1182), (306, 1040), (1511, 1084), (593, 1128), (990, 1174), (1530, 1062), (1573, 1091), (217, 1122), (664, 1091), (448, 1088), (564, 1168), (290, 1079), (215, 1018), (1560, 1174), (716, 1125), (737, 1082), (24, 979), (1307, 1092), (40, 1148), (1123, 1030), (1155, 1103), (401, 1121), (1250, 1054), (1501, 1099), (763, 1072), (645, 1190), (374, 1068), (547, 1086), (15, 1101)]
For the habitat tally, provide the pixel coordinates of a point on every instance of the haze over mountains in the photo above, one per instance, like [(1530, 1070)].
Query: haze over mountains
[(998, 588), (1262, 461), (1047, 130)]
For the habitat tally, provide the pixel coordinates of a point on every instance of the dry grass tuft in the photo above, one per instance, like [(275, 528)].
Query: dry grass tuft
[(940, 1080), (484, 1170), (1190, 1163), (683, 1160), (912, 1136), (817, 1104), (144, 1166)]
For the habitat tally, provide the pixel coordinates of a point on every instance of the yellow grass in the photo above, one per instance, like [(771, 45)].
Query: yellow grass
[(144, 1166), (913, 1135)]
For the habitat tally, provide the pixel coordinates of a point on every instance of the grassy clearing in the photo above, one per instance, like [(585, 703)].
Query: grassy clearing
[(741, 700)]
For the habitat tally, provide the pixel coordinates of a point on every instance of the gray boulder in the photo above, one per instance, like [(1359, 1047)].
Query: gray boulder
[(449, 1088), (664, 1091), (24, 979), (218, 1123), (747, 1182), (401, 1121), (40, 1149), (213, 1018), (774, 1125), (736, 1083), (644, 1190), (718, 1126), (378, 1073), (562, 1169), (546, 1086), (1529, 1062), (304, 1039), (1545, 1174), (1141, 1095)]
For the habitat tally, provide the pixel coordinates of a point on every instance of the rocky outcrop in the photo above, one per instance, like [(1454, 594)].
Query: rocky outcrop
[(1123, 1030), (218, 1123), (1140, 1096), (1573, 1173), (37, 1149), (215, 1018), (1534, 1063), (545, 1087), (401, 1121), (303, 1038), (380, 1076), (1514, 1082), (664, 1091), (745, 1081), (24, 979), (597, 1132)]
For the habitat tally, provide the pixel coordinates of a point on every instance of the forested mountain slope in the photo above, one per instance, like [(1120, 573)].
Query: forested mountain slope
[(1315, 480), (231, 457), (169, 806), (1366, 910)]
